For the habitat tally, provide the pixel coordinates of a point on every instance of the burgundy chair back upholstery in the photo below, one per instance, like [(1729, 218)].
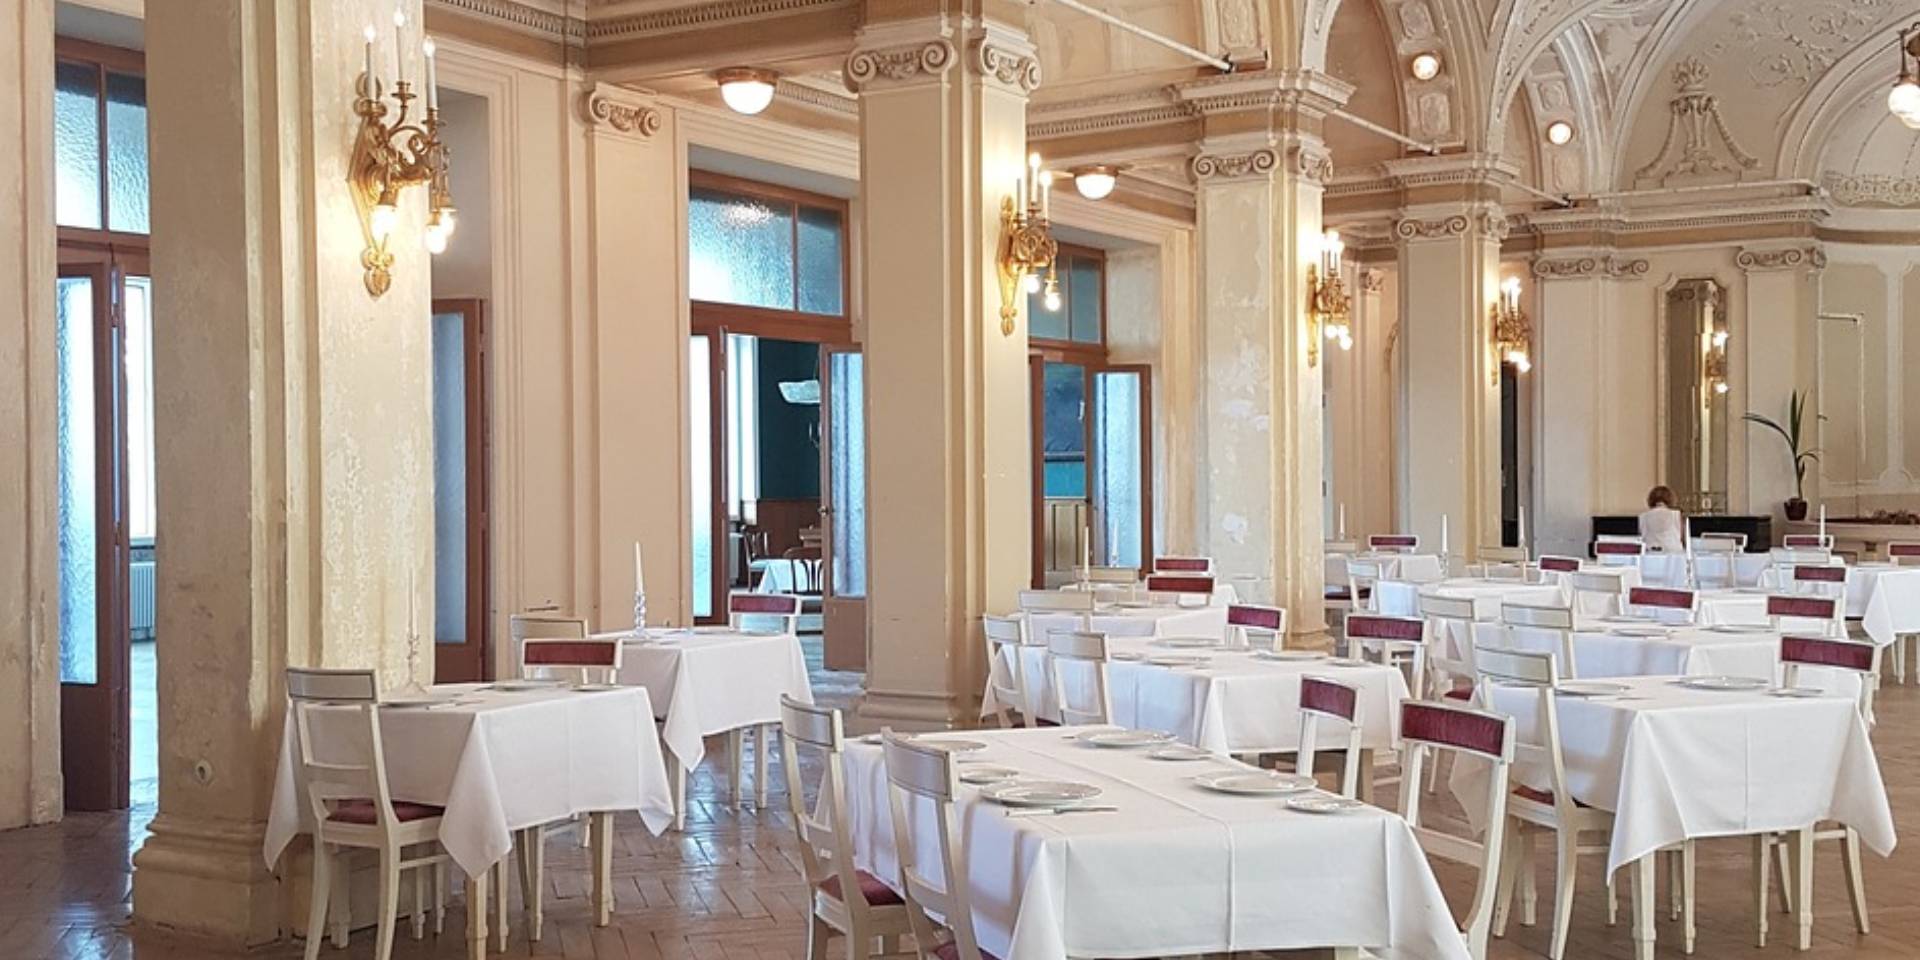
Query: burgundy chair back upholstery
[(778, 604), (1903, 548), (1792, 540), (1816, 573), (1553, 564), (1373, 627), (1489, 734), (570, 653), (1159, 584), (1328, 697), (1259, 618), (1820, 651), (1182, 564), (1618, 548), (1393, 541), (1818, 608), (1664, 597)]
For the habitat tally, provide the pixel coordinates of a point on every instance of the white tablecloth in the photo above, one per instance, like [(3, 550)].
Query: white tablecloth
[(1886, 598), (711, 680), (498, 762), (1178, 871), (1156, 621), (1670, 569), (1685, 650), (1411, 567), (1401, 599), (1237, 703), (1681, 764)]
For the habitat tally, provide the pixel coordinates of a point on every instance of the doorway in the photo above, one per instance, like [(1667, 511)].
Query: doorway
[(462, 545)]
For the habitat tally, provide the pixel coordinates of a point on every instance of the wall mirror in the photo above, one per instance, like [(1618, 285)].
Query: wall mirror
[(1694, 394)]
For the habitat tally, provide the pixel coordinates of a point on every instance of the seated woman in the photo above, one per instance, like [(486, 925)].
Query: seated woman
[(1663, 527)]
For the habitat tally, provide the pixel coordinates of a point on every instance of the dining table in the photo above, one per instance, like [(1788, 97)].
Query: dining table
[(1679, 758), (1623, 646), (1162, 866), (499, 758), (1135, 618), (1402, 598), (1411, 567), (1885, 599)]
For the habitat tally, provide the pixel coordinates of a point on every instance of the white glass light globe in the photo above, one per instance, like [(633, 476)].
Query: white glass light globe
[(1912, 120), (435, 239), (380, 222), (1094, 184), (1904, 98), (1052, 301), (746, 96), (1031, 284)]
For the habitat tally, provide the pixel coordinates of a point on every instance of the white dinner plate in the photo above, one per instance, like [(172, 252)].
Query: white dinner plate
[(1324, 804), (1180, 752), (1255, 784), (950, 746), (410, 703), (1040, 793), (1624, 618), (1740, 628), (1128, 657), (1188, 643), (1346, 662), (1723, 683), (984, 775), (515, 685), (1591, 688), (1796, 693), (1124, 738), (595, 687), (1290, 655), (1752, 590), (1178, 660), (1644, 633), (1134, 604)]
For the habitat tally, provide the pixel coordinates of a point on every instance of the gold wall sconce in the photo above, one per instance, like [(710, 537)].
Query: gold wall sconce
[(1713, 364), (1512, 332), (390, 156), (1328, 306), (1027, 247)]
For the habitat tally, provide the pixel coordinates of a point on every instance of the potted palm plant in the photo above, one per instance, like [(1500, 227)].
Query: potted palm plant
[(1791, 435)]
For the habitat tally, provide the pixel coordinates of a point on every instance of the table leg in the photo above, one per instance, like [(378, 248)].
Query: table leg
[(1803, 884), (1762, 879), (1643, 909), (603, 868), (498, 879), (477, 915), (762, 742), (736, 741), (678, 773), (1365, 780)]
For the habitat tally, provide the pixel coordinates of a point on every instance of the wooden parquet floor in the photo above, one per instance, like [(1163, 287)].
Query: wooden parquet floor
[(729, 888)]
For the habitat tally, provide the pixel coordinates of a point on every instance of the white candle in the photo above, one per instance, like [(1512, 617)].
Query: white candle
[(1086, 555), (433, 94), (367, 67), (1342, 534), (1046, 198), (1523, 528), (639, 578), (399, 47), (1823, 524), (1443, 539)]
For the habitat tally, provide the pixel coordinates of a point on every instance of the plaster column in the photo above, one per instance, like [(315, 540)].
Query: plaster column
[(1578, 291), (29, 568), (943, 101), (1449, 277), (1258, 194), (1783, 296), (293, 427), (1360, 385)]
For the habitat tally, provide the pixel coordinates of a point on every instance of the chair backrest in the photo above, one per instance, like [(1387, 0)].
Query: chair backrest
[(1393, 542), (826, 841), (1825, 611), (1056, 601), (1783, 560), (1658, 599), (933, 882), (351, 764), (1533, 679), (1117, 576), (1798, 541), (1171, 564), (1339, 704), (1450, 632), (1362, 577), (585, 660), (546, 626), (1903, 552), (1182, 584), (786, 606), (1246, 621), (1551, 563), (1428, 727), (1556, 623), (1603, 586), (1374, 626), (1342, 547), (1738, 540), (1619, 551), (1006, 669), (1504, 563), (1824, 580), (1082, 656), (1860, 659)]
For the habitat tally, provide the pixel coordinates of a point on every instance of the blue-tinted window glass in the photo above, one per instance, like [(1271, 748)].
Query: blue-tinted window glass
[(76, 145), (1083, 299), (1063, 420), (740, 251), (74, 440), (126, 152), (821, 288), (1043, 323)]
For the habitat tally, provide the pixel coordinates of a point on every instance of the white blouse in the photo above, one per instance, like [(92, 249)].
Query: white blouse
[(1664, 529)]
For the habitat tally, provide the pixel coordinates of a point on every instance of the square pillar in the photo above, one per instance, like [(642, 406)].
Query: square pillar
[(942, 138)]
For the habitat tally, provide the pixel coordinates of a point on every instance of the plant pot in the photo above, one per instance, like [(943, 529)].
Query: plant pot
[(1796, 509)]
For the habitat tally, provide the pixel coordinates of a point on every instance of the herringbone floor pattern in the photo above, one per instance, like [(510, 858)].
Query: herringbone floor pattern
[(730, 889)]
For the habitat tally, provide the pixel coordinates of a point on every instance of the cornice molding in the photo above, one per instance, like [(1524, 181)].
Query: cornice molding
[(1601, 266), (825, 101), (1007, 65), (1234, 166), (1436, 228), (1449, 169), (893, 65), (520, 17), (1781, 258), (614, 109), (1871, 190), (1312, 162), (699, 16)]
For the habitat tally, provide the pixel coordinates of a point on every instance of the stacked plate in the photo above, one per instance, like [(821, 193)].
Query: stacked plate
[(1255, 783), (1591, 688), (1290, 655), (1188, 643), (1740, 628), (1123, 739), (1178, 660), (1040, 793), (1723, 683)]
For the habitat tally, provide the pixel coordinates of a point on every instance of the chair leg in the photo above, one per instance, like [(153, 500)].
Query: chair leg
[(1509, 868), (532, 855), (389, 903), (1762, 879), (419, 878), (1673, 883), (1687, 864), (498, 877), (317, 906), (762, 746), (1613, 903), (1802, 859), (1784, 860), (1529, 881), (342, 906), (735, 739), (1856, 884), (439, 898), (603, 868), (817, 934), (1565, 860)]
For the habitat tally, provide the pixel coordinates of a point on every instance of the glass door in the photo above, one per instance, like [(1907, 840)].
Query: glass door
[(843, 514), (1122, 491), (94, 551), (461, 544)]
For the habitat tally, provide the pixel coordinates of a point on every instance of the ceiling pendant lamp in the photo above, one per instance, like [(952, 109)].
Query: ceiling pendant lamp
[(1904, 99), (746, 90)]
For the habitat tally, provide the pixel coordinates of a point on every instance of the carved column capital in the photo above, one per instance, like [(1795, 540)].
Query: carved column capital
[(1603, 266), (1312, 163), (927, 60), (1007, 65), (1432, 228), (1781, 258), (1234, 166), (612, 109)]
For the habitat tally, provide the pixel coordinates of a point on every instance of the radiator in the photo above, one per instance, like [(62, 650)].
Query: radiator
[(140, 599)]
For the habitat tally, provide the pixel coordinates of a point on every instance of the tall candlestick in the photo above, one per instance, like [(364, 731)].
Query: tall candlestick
[(1823, 524), (433, 86), (1444, 552), (1342, 534), (367, 67), (639, 575), (399, 47), (1523, 528)]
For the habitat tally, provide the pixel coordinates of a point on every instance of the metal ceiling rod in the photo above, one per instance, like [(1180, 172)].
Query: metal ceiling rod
[(1363, 123), (1148, 35), (1542, 194)]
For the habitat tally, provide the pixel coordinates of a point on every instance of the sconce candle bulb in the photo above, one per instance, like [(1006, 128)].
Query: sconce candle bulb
[(391, 154), (1512, 332), (1327, 301), (1027, 247)]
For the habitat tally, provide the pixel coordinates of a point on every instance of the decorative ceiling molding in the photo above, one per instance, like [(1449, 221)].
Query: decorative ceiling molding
[(1782, 258), (618, 110), (699, 16), (1234, 166), (521, 17), (884, 66), (1871, 190), (1012, 67), (808, 95), (1601, 266), (1692, 127)]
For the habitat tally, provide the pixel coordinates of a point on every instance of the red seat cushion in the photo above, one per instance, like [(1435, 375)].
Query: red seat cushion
[(362, 812), (1342, 593), (1459, 693), (871, 889), (951, 951), (1538, 796)]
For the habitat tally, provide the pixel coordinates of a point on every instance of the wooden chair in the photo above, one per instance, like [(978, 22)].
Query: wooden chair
[(1903, 553), (353, 808), (1786, 613), (1445, 729), (1393, 543), (1781, 563), (1739, 540), (1172, 564), (1504, 563), (846, 900), (809, 578), (1342, 547), (1721, 553), (1555, 622), (1807, 541), (1553, 809), (1362, 577), (1335, 702), (1079, 653), (787, 607), (1597, 592), (1450, 642), (544, 626), (1619, 551), (1078, 604), (581, 660), (1394, 641), (1006, 670), (1863, 661), (1246, 621), (1552, 563), (1183, 588), (1663, 603), (935, 882)]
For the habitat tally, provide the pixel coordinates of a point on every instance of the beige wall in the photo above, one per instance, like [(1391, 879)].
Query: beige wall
[(1361, 388), (1869, 379)]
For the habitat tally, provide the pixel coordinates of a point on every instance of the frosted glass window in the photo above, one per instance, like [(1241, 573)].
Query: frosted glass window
[(1120, 466), (1084, 298), (821, 288), (740, 251), (76, 145), (449, 478), (79, 548), (139, 359), (700, 407), (1064, 421), (1047, 324), (127, 152), (847, 452)]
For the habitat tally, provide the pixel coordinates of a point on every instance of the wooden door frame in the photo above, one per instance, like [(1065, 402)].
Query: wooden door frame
[(473, 659)]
